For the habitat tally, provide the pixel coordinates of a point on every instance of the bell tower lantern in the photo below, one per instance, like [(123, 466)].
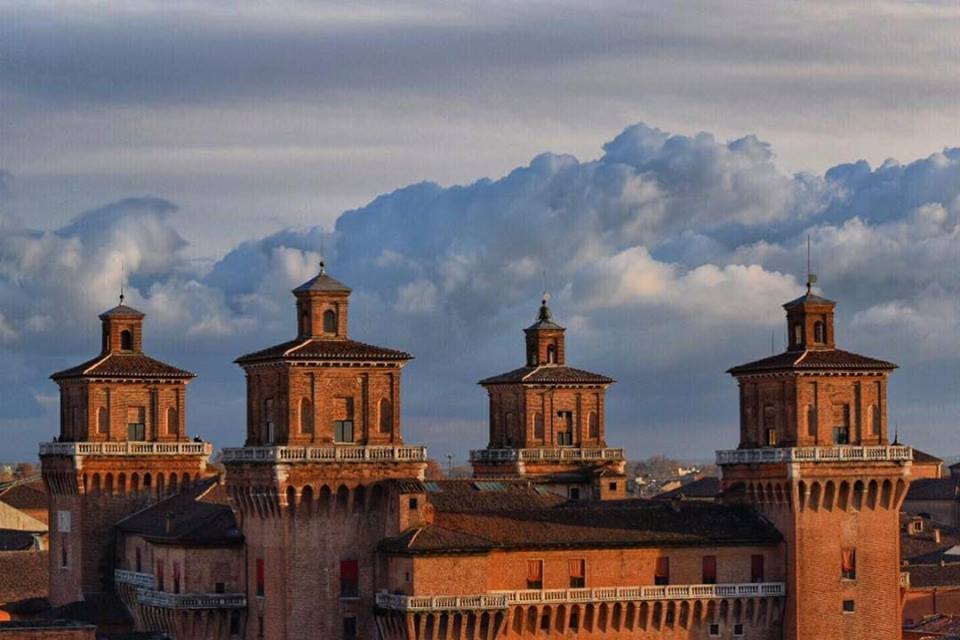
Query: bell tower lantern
[(322, 305), (545, 339)]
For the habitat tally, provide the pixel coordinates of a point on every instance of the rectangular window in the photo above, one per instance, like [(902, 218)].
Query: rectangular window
[(159, 575), (176, 577), (259, 626), (661, 574), (260, 578), (342, 419), (756, 568), (574, 493), (738, 630), (349, 628), (139, 564), (343, 430), (565, 428), (63, 521), (136, 423), (841, 435), (234, 623), (64, 559), (578, 575), (534, 574), (772, 437), (413, 504), (613, 486), (848, 569), (714, 631), (709, 569), (349, 579), (849, 606), (219, 587), (268, 428)]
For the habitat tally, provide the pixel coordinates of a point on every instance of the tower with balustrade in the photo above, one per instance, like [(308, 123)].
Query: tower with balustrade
[(547, 421), (316, 483), (815, 459), (122, 445)]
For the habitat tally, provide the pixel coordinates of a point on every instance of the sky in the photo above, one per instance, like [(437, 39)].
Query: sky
[(656, 166)]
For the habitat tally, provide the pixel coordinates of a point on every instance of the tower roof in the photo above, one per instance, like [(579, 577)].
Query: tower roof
[(322, 283), (544, 318), (812, 360), (808, 298), (123, 365), (314, 349), (121, 311)]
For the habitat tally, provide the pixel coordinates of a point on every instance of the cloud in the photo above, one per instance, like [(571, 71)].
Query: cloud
[(668, 256)]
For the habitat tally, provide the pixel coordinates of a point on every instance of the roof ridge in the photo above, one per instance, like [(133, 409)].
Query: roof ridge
[(295, 347), (531, 372), (802, 357), (96, 363)]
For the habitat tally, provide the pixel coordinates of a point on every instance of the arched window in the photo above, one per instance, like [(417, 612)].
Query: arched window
[(551, 354), (304, 322), (103, 421), (126, 340), (797, 334), (306, 416), (329, 321), (538, 431), (875, 421), (819, 332), (386, 416), (593, 423), (173, 421)]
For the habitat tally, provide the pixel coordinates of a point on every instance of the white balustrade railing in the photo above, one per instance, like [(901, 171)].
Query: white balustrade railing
[(839, 453), (325, 454), (559, 454), (130, 448), (137, 579), (441, 603), (165, 600), (503, 599)]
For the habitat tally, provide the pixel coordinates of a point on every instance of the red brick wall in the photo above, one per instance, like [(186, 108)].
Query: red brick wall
[(513, 411), (81, 401)]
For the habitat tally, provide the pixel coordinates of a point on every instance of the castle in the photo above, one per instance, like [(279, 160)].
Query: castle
[(324, 526)]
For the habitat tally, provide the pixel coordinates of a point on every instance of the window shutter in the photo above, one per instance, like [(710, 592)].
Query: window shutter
[(709, 569), (349, 570), (663, 567), (534, 570), (576, 567)]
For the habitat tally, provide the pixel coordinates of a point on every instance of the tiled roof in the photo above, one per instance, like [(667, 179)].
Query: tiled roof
[(23, 575), (612, 524), (201, 516), (708, 487), (104, 609), (324, 350), (934, 575), (28, 494), (123, 365), (548, 374), (808, 298), (923, 456), (923, 548), (933, 489), (322, 282), (15, 540), (121, 311), (481, 496), (812, 359)]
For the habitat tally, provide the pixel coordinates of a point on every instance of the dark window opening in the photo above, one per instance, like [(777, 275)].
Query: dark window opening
[(756, 568), (709, 570), (738, 630), (259, 626), (176, 577), (714, 630), (343, 430), (574, 493), (349, 579), (329, 321), (64, 559), (139, 562), (545, 620), (819, 332), (797, 335), (160, 585), (841, 435), (574, 621), (849, 606), (551, 354), (661, 575), (260, 580), (234, 623), (534, 574), (126, 340), (413, 504), (613, 486), (349, 628), (577, 569), (219, 588)]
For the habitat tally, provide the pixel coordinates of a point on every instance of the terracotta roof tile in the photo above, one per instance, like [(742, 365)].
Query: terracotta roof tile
[(811, 360), (934, 575), (616, 524), (322, 282), (201, 516), (324, 350), (933, 489), (548, 374), (28, 494), (708, 487), (23, 575), (123, 365)]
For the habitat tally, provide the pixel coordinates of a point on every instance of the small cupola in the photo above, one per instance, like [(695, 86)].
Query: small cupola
[(810, 321), (122, 329), (322, 308), (545, 338)]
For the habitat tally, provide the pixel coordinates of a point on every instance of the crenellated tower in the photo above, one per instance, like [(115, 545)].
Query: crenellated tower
[(815, 459), (316, 484), (122, 445), (547, 421)]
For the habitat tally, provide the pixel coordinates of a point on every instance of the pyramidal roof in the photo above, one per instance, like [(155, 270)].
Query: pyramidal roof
[(544, 318), (121, 311), (322, 283)]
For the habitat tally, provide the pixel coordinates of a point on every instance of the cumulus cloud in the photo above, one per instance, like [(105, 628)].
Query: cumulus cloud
[(668, 256)]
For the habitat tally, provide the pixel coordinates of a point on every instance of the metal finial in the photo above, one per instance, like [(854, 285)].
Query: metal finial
[(323, 266), (122, 277), (811, 277)]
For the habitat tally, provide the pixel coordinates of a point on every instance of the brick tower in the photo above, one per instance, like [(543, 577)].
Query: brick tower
[(547, 421), (311, 483), (814, 458), (122, 445)]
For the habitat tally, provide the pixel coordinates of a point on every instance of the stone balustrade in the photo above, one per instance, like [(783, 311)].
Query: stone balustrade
[(559, 454), (137, 579), (504, 599), (839, 453), (345, 454), (166, 600), (126, 448)]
